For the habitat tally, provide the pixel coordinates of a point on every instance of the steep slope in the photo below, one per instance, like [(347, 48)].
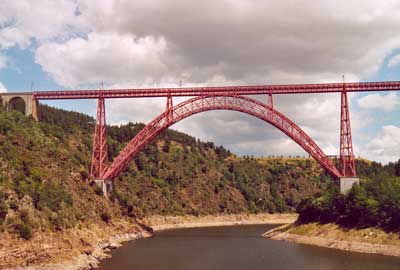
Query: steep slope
[(44, 186)]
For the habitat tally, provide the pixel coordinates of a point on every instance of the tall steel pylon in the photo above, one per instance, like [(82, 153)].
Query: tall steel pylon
[(347, 165), (99, 155)]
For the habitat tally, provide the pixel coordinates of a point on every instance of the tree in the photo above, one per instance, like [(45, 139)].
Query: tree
[(166, 146), (397, 168)]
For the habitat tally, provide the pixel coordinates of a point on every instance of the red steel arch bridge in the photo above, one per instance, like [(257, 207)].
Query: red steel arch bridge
[(234, 98)]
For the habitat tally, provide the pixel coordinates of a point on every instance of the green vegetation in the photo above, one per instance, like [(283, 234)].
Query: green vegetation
[(373, 203), (24, 227), (44, 172), (3, 212)]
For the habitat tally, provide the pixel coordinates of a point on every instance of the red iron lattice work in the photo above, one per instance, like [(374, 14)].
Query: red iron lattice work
[(347, 166), (169, 109), (99, 155), (215, 98), (218, 91), (207, 103)]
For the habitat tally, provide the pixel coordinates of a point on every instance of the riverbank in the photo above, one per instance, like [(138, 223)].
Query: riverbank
[(370, 240), (159, 223), (72, 249)]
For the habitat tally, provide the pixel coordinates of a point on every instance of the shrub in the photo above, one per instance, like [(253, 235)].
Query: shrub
[(23, 227), (372, 203), (13, 205), (105, 217), (36, 174), (51, 196), (166, 146), (24, 215), (24, 230), (3, 212), (57, 221), (98, 190), (84, 174)]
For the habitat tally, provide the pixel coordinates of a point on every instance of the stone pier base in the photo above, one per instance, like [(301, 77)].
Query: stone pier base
[(346, 183), (106, 185)]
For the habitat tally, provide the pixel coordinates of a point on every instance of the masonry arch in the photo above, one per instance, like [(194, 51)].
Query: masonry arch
[(17, 104), (22, 102)]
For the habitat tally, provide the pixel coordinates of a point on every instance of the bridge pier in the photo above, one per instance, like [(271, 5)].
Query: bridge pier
[(346, 183), (105, 185)]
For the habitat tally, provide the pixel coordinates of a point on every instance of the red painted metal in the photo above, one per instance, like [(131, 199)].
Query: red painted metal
[(208, 98), (270, 103), (207, 103), (99, 155), (219, 91), (347, 165), (169, 109)]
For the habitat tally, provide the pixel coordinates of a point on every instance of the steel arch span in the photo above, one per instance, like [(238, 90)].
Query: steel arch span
[(200, 104)]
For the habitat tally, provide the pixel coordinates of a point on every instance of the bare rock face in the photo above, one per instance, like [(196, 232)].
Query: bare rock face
[(114, 245), (75, 249), (88, 251)]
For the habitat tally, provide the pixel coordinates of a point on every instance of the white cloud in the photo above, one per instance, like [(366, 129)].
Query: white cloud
[(108, 57), (250, 40), (394, 61), (386, 102), (278, 146), (22, 21), (122, 111), (239, 40), (385, 147), (3, 89), (213, 43)]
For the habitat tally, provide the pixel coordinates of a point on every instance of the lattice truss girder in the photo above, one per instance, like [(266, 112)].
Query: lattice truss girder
[(226, 90)]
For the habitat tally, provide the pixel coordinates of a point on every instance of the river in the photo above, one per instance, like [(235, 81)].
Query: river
[(234, 248)]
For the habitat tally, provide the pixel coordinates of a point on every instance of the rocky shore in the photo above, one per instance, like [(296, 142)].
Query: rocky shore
[(89, 259), (73, 249), (370, 240)]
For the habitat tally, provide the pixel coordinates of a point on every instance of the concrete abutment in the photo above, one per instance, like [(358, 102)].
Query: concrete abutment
[(346, 183), (105, 185)]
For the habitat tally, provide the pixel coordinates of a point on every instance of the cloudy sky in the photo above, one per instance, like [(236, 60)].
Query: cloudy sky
[(66, 44)]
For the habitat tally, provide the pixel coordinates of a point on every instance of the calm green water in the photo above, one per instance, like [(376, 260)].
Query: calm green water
[(234, 248)]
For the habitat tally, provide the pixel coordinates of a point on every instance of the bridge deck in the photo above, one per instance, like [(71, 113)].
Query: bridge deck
[(226, 90)]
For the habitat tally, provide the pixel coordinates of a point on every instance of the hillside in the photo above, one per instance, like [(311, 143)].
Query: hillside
[(366, 219), (47, 198), (44, 165), (374, 203)]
